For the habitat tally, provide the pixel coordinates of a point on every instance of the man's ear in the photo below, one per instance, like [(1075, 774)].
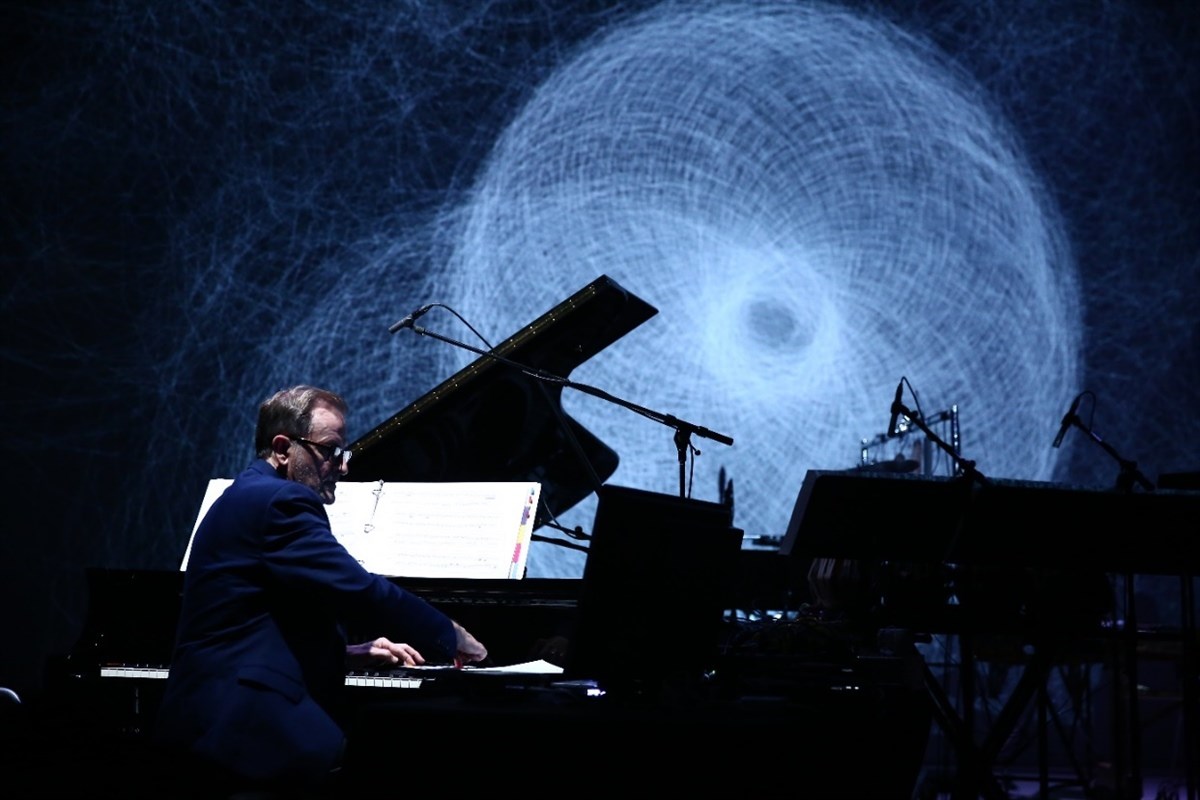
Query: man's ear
[(280, 446)]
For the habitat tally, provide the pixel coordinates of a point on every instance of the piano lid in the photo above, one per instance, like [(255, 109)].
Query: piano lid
[(492, 422)]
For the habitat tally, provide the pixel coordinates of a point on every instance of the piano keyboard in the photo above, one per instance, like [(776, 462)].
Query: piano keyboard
[(383, 680), (142, 673), (397, 679)]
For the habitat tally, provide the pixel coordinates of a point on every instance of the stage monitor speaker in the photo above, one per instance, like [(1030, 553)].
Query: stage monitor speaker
[(657, 582)]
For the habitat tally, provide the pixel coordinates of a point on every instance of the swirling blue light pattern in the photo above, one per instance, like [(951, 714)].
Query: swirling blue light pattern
[(818, 203)]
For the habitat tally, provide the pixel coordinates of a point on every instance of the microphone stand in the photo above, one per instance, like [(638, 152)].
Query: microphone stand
[(966, 467), (1129, 474), (973, 769), (683, 430)]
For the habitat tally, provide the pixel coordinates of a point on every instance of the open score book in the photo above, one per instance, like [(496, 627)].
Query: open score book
[(426, 530)]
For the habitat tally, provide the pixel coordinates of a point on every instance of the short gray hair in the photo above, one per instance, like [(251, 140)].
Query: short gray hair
[(289, 412)]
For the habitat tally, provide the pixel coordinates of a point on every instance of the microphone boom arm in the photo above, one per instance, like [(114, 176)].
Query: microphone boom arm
[(684, 430), (966, 466), (1129, 473)]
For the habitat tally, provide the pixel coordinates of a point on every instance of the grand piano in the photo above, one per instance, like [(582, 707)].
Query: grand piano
[(491, 421)]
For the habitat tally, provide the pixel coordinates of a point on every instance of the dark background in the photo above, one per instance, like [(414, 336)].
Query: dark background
[(199, 204)]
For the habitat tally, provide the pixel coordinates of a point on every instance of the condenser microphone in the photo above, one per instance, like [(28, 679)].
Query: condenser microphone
[(408, 321), (1066, 421), (891, 431)]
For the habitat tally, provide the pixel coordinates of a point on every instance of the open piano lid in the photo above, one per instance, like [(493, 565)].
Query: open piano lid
[(491, 422)]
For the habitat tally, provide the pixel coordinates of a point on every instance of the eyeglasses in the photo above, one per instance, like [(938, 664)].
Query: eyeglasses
[(330, 452)]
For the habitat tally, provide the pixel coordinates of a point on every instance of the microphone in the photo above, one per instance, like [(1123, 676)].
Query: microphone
[(891, 431), (408, 321), (1066, 421)]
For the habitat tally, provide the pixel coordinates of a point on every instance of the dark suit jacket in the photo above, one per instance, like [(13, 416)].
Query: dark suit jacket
[(259, 654)]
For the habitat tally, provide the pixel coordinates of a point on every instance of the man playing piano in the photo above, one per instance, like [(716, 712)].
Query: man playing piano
[(260, 652)]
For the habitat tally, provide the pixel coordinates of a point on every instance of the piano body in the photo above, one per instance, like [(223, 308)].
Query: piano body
[(120, 661), (489, 422)]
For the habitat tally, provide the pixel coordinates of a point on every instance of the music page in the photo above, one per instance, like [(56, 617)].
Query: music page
[(427, 530), (437, 530)]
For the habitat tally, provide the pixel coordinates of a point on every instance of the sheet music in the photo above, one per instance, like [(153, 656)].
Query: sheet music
[(437, 530), (427, 530), (538, 667)]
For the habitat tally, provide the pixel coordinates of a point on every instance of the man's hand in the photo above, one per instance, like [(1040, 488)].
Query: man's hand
[(468, 647), (382, 651)]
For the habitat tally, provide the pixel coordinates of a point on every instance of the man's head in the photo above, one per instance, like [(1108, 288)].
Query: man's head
[(300, 432)]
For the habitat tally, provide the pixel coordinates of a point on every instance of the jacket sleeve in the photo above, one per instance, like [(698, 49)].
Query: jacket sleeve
[(302, 553)]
